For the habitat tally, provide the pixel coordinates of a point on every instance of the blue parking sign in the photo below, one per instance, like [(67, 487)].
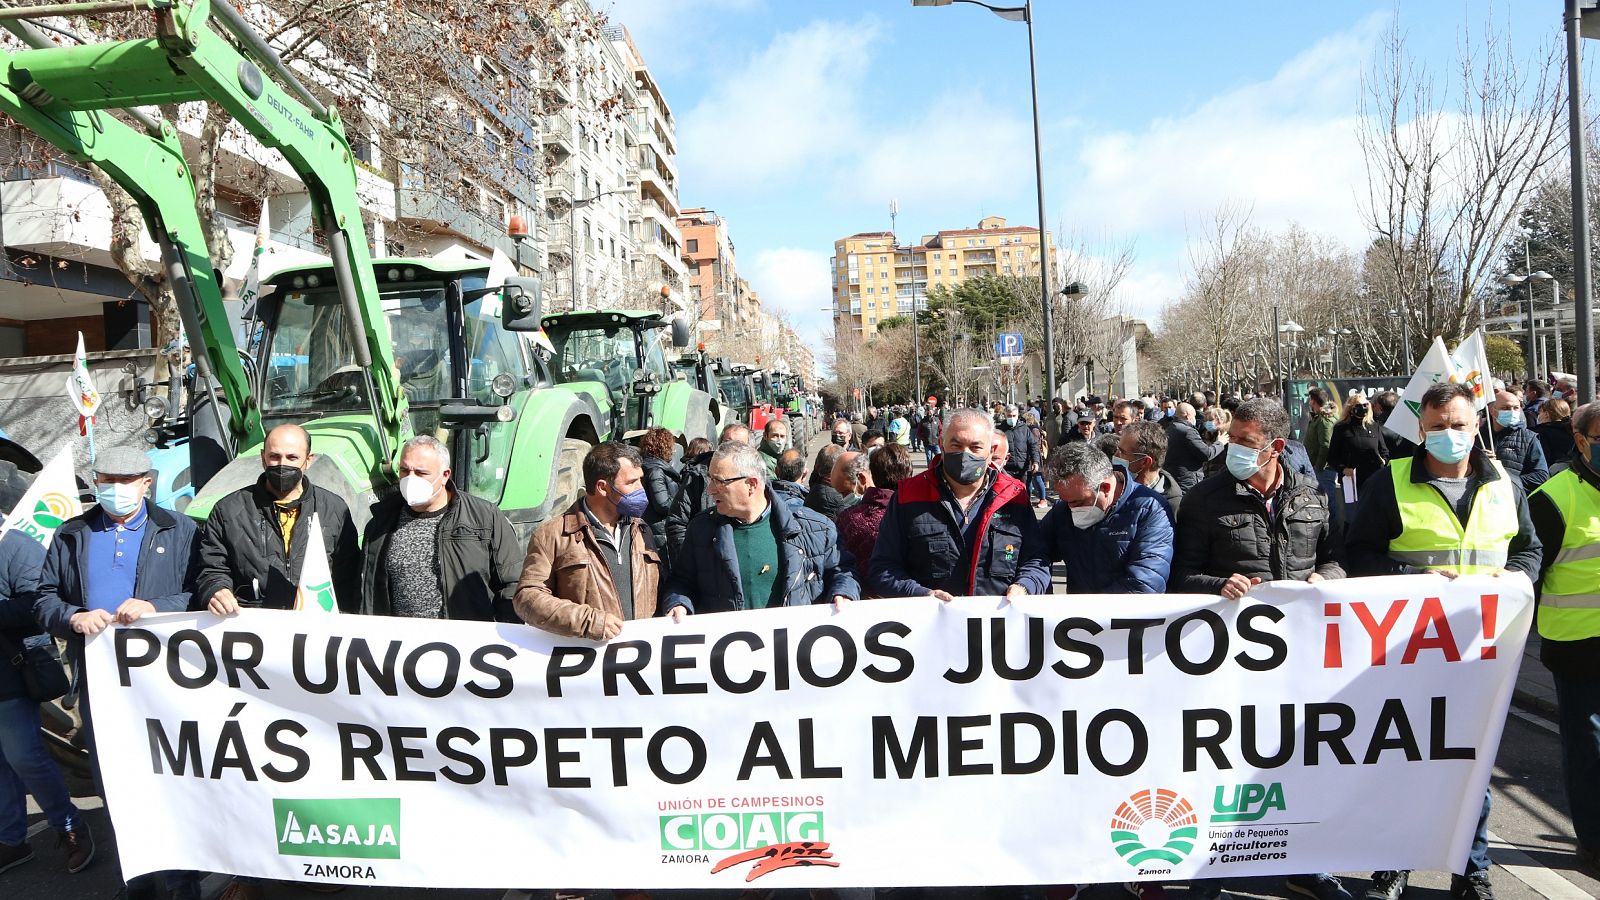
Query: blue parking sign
[(1008, 343)]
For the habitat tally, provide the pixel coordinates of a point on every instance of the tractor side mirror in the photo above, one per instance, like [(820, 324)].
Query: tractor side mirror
[(521, 304), (680, 334)]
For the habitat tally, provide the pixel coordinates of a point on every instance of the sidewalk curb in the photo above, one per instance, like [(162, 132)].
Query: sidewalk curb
[(1527, 701)]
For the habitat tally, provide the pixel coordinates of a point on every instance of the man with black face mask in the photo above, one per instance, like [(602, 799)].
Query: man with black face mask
[(962, 528), (253, 544)]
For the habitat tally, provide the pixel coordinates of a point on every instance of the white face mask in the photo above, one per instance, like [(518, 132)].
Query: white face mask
[(1086, 516), (119, 499), (416, 490)]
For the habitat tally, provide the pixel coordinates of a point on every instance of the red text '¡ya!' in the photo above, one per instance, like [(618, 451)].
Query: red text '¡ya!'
[(1425, 623)]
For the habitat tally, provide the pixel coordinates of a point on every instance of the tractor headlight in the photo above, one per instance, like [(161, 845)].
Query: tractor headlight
[(503, 385)]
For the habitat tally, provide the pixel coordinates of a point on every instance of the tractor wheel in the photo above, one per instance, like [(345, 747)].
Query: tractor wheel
[(568, 484)]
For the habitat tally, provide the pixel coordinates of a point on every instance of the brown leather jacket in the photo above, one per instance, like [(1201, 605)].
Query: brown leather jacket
[(566, 585)]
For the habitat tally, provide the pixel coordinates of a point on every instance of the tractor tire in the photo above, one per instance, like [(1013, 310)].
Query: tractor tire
[(567, 486)]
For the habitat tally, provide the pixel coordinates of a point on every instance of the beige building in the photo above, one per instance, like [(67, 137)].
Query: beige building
[(873, 279)]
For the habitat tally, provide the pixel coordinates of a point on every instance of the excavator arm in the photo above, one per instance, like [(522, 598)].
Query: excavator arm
[(149, 165), (190, 60)]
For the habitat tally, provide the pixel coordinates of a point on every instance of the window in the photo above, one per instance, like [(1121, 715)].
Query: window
[(694, 246), (466, 122), (1006, 253), (694, 268), (938, 271), (491, 143), (971, 242), (983, 242), (882, 260), (869, 273), (937, 256)]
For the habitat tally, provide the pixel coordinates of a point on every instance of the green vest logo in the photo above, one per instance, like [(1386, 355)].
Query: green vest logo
[(1154, 826), (352, 829)]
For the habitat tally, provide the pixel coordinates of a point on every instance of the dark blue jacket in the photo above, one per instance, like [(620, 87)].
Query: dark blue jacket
[(795, 495), (921, 548), (167, 563), (1127, 552), (20, 559), (1519, 450), (812, 568)]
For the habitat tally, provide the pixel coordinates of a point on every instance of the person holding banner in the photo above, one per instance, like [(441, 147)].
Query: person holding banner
[(1515, 445), (1453, 510), (597, 565), (114, 564), (253, 544), (752, 551), (433, 552), (1259, 520), (1566, 514), (960, 528)]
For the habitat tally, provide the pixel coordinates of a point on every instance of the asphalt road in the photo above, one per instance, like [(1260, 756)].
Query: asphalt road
[(1533, 845)]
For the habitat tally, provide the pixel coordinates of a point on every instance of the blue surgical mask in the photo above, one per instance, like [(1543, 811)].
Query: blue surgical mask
[(119, 499), (1243, 462), (1508, 418), (1210, 425), (633, 504), (1447, 445)]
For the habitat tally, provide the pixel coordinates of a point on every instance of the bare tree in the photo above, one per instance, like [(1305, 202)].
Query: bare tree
[(1445, 185)]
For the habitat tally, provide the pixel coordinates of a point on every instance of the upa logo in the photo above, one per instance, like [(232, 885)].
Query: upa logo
[(1250, 802), (352, 829), (1154, 826)]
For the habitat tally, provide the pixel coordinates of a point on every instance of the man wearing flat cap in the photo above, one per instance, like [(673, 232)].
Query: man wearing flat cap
[(122, 559)]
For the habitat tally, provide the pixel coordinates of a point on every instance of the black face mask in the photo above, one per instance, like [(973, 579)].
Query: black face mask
[(840, 439), (964, 467), (1359, 412), (283, 479)]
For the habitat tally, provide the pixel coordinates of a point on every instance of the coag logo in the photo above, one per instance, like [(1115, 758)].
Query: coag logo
[(739, 831), (1249, 803), (1154, 826), (355, 829)]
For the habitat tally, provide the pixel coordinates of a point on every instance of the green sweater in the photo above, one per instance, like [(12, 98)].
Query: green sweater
[(1319, 434), (755, 546)]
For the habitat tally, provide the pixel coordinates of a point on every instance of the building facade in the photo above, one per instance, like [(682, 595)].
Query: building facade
[(874, 278)]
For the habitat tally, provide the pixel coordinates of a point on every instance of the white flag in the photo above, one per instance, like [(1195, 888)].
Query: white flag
[(315, 591), (1471, 362), (1436, 367), (80, 385), (252, 276), (51, 500)]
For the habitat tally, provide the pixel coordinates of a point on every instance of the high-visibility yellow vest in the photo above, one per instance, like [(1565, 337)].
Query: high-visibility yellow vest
[(1432, 538), (1570, 599)]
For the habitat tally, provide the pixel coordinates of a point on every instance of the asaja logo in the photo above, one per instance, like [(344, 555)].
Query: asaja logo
[(354, 829), (1154, 826), (1250, 802)]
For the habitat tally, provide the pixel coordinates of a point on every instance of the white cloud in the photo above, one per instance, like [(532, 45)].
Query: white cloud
[(794, 281), (1287, 146), (784, 112), (942, 158), (670, 37)]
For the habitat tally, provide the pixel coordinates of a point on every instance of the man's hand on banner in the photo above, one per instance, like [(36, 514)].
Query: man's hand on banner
[(1237, 586), (1015, 591), (612, 626), (677, 614), (90, 621), (946, 596), (131, 609), (839, 600), (1314, 577), (223, 603)]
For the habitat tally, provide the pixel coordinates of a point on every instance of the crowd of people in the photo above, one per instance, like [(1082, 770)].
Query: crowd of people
[(1133, 496)]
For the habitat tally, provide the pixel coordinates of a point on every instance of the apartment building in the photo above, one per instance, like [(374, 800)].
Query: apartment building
[(874, 278), (654, 170)]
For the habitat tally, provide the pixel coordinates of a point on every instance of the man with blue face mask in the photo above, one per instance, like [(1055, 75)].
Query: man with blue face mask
[(961, 528), (1516, 445), (1453, 510), (121, 560), (596, 565)]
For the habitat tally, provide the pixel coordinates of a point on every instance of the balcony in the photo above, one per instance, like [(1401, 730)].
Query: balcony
[(557, 94), (556, 135), (560, 185), (979, 259), (855, 308), (436, 212), (650, 178)]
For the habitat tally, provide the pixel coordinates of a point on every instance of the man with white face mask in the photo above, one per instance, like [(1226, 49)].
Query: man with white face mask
[(1113, 533), (433, 552)]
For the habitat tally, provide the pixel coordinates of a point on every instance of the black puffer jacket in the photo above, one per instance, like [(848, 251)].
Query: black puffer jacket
[(480, 560), (1519, 450), (1223, 529), (660, 483), (241, 548), (692, 495), (1187, 453)]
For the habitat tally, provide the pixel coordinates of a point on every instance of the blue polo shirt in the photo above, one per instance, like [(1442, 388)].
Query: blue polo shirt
[(113, 558)]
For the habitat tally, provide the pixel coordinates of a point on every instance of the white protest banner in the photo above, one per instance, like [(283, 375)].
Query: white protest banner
[(1345, 726), (50, 500)]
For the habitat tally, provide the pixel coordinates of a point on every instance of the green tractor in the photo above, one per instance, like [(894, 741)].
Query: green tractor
[(467, 371), (616, 360)]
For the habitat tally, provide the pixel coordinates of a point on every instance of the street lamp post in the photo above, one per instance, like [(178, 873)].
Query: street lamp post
[(572, 236), (1024, 14)]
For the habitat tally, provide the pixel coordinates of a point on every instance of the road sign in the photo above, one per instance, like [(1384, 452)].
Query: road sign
[(1008, 343)]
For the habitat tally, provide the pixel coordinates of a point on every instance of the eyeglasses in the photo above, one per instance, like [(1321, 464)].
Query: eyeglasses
[(730, 480)]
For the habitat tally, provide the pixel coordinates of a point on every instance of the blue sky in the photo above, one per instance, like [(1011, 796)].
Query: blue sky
[(798, 120)]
